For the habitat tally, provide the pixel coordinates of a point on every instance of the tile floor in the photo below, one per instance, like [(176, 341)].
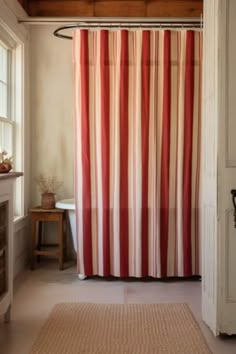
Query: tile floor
[(38, 291)]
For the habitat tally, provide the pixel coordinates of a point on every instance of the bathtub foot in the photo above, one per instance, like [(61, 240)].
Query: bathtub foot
[(81, 276)]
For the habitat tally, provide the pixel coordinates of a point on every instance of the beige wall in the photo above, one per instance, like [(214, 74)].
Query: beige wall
[(52, 130)]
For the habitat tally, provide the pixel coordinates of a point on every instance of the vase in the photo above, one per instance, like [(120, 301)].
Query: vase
[(5, 167), (48, 201)]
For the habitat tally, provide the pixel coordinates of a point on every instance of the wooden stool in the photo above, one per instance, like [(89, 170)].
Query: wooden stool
[(42, 215)]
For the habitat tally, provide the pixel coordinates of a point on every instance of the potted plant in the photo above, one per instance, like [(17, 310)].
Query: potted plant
[(5, 162), (48, 187)]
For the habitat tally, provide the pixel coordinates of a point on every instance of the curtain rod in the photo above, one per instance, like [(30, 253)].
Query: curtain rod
[(133, 24), (125, 22)]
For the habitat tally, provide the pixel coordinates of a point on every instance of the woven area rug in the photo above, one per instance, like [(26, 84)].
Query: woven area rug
[(120, 329)]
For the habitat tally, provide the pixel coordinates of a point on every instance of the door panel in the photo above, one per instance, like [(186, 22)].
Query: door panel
[(209, 200), (230, 77), (230, 233), (227, 167)]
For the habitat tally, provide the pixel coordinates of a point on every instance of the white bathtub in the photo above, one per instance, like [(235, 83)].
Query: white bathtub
[(69, 206)]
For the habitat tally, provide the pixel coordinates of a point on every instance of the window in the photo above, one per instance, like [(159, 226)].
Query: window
[(6, 121), (12, 110)]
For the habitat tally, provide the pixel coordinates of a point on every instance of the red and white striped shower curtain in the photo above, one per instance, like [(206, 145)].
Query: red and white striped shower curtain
[(137, 129)]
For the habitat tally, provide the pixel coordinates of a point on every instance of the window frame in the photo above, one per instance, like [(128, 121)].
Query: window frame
[(16, 114), (9, 119)]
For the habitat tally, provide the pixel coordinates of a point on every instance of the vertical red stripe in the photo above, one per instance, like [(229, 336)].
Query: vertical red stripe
[(199, 157), (187, 166), (85, 138), (155, 211), (124, 105), (179, 63), (145, 107), (165, 156), (105, 138), (76, 98)]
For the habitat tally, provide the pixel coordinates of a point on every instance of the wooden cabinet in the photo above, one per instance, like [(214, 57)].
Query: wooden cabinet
[(6, 243)]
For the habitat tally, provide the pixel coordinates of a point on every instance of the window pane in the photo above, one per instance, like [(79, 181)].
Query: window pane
[(6, 135), (3, 100), (3, 64)]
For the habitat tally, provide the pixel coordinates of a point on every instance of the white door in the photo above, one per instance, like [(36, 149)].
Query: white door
[(209, 223), (227, 167), (219, 167)]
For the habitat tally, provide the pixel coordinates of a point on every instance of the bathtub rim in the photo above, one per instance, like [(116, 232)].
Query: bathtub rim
[(67, 204)]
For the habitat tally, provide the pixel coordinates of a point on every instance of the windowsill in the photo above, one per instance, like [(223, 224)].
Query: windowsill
[(17, 219)]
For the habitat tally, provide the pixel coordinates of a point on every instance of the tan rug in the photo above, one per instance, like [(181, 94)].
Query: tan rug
[(120, 329)]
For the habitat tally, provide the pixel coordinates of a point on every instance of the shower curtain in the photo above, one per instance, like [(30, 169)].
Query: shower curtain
[(137, 151)]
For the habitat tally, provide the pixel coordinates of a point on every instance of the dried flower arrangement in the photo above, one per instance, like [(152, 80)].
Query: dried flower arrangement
[(48, 184), (5, 162), (48, 187)]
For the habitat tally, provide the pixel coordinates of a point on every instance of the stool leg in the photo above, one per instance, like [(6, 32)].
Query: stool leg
[(39, 239), (61, 246), (33, 235)]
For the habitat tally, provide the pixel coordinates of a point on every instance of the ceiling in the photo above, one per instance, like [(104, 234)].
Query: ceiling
[(114, 8)]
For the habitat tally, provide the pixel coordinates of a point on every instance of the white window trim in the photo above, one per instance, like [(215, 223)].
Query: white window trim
[(17, 113), (8, 119)]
